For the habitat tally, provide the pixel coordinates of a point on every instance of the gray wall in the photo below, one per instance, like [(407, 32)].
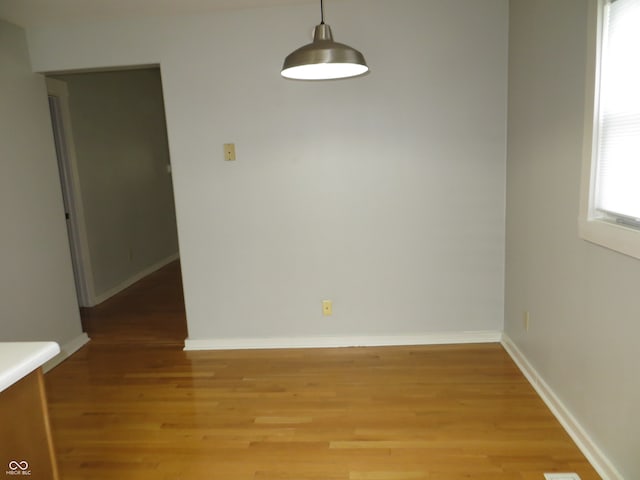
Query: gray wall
[(582, 298), (37, 293), (122, 158), (384, 193)]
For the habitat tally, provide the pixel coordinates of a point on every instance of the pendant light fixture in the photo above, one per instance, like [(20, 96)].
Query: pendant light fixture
[(324, 59)]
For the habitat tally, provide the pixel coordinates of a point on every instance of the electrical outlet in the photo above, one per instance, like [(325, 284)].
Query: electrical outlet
[(327, 308), (525, 321), (229, 151)]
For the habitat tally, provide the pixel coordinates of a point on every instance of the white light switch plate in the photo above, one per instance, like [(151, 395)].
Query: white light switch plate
[(561, 476)]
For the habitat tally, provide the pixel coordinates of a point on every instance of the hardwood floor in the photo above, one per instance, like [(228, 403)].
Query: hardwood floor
[(148, 410), (149, 312)]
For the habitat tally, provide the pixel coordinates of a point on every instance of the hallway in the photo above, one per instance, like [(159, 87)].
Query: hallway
[(149, 312)]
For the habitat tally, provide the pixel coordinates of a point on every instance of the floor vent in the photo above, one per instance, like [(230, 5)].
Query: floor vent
[(561, 476)]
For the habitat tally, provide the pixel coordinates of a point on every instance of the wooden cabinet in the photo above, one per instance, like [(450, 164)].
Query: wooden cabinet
[(26, 447)]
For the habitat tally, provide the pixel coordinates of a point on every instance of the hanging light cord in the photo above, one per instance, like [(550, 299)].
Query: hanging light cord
[(322, 12)]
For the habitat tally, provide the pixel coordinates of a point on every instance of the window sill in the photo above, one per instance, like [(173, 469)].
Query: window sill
[(610, 235)]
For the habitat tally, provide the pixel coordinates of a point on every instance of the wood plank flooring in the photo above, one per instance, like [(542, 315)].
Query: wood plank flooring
[(148, 410), (150, 311)]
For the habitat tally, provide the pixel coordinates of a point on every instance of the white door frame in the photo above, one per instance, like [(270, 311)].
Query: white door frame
[(72, 195)]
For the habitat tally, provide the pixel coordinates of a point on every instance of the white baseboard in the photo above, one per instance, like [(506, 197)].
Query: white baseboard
[(66, 351), (348, 341), (585, 443), (131, 280)]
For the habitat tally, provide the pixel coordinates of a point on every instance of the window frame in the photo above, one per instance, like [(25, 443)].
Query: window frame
[(595, 226)]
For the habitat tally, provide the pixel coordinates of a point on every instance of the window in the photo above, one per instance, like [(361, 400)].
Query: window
[(610, 213)]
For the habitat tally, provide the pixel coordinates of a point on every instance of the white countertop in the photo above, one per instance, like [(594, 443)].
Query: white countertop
[(19, 359)]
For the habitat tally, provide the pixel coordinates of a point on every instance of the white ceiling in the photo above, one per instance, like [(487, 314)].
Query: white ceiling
[(39, 12)]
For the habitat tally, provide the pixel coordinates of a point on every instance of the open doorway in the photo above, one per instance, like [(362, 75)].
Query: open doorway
[(115, 172)]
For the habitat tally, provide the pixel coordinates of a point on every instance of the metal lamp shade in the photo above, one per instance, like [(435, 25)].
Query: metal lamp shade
[(324, 59)]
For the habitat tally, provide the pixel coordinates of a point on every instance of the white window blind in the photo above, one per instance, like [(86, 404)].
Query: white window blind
[(617, 179)]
